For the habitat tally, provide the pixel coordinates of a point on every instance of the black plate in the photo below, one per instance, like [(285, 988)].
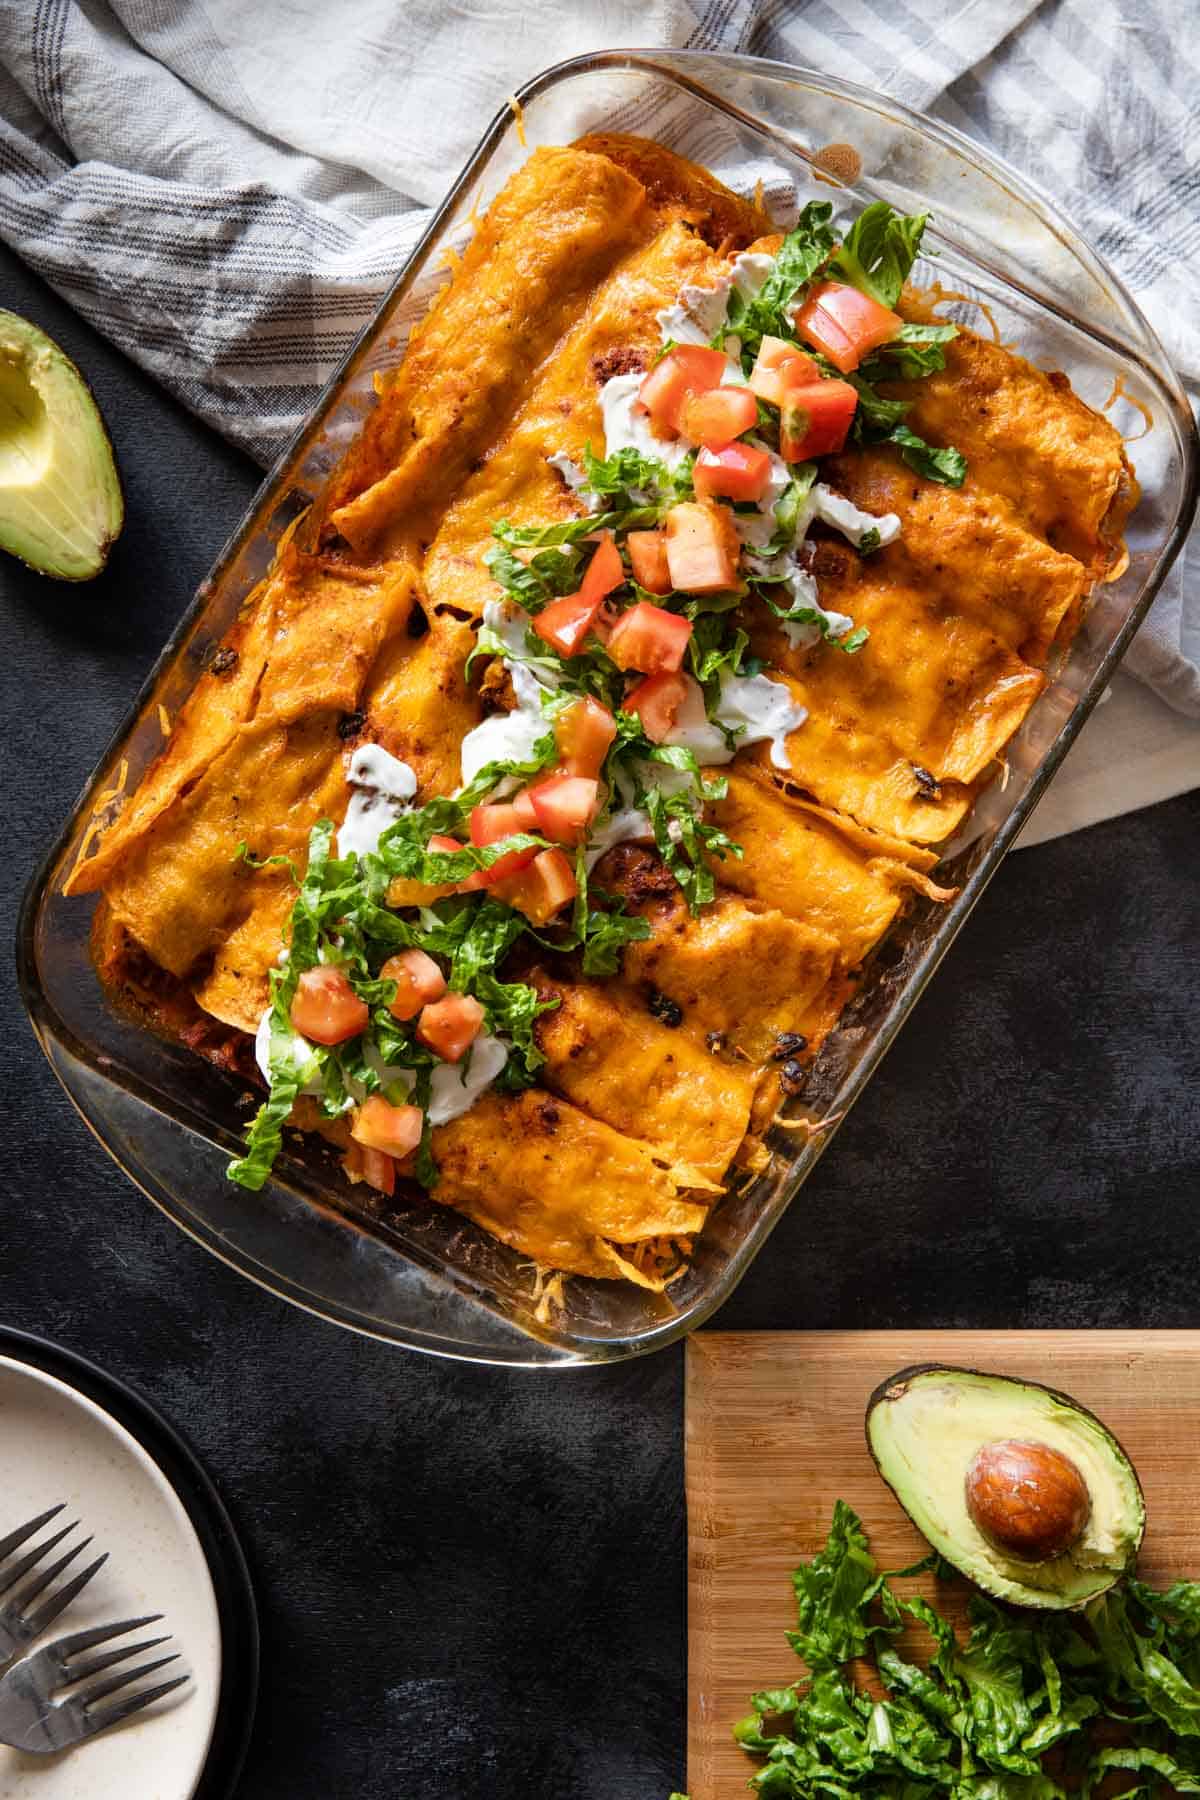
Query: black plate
[(236, 1610)]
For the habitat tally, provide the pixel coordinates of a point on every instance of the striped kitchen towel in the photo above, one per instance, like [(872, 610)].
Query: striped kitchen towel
[(225, 191)]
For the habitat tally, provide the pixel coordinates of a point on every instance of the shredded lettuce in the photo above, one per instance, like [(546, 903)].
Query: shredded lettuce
[(947, 464), (683, 838), (914, 352), (543, 578), (879, 250), (802, 255), (1113, 1690)]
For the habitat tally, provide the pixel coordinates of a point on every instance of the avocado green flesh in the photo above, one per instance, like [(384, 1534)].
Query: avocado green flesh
[(925, 1428), (60, 496)]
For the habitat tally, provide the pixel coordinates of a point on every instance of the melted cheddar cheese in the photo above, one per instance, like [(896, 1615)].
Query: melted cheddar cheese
[(656, 1082)]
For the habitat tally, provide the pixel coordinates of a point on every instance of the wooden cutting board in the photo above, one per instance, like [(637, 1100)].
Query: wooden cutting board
[(774, 1435)]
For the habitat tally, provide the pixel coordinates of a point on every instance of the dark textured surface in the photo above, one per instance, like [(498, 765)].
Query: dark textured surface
[(472, 1583)]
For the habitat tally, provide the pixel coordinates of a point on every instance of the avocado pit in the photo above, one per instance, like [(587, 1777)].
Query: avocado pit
[(1016, 1485), (1027, 1499)]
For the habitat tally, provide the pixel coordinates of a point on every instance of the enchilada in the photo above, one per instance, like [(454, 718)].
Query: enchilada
[(539, 886)]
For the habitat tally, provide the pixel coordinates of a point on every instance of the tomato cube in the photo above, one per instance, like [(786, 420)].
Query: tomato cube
[(777, 364), (815, 419), (391, 1130), (583, 733), (450, 1026), (488, 825), (650, 639), (449, 846), (325, 1008), (523, 811), (565, 623), (702, 547), (364, 1164), (417, 978), (719, 416), (648, 555), (845, 324), (685, 371), (565, 806), (656, 702), (605, 571), (738, 472), (544, 888)]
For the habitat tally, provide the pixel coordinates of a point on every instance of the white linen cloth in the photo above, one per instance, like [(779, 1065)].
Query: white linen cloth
[(225, 191)]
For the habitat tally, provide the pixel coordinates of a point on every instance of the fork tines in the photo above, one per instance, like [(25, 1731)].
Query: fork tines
[(15, 1609), (16, 1538), (66, 1649)]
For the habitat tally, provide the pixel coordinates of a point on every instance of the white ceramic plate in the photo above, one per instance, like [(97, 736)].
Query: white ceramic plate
[(58, 1445)]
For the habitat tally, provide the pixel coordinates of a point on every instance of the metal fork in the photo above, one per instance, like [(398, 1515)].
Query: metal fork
[(32, 1719), (20, 1623)]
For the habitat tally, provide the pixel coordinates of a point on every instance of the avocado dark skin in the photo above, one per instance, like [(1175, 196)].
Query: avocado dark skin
[(1023, 1490)]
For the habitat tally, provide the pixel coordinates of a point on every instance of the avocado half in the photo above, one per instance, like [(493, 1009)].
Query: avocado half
[(61, 506), (928, 1428)]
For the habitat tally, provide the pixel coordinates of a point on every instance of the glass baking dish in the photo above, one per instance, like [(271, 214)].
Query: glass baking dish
[(423, 1277)]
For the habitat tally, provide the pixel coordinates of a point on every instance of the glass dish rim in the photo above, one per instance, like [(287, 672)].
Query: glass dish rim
[(677, 67)]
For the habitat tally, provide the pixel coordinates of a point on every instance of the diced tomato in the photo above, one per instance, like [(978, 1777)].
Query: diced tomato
[(648, 554), (777, 353), (719, 416), (451, 847), (450, 1026), (392, 1130), (777, 364), (657, 701), (565, 623), (371, 1166), (488, 825), (565, 806), (522, 807), (583, 734), (605, 571), (685, 371), (544, 888), (738, 472), (325, 1008), (417, 978), (845, 324), (814, 419), (702, 547), (650, 639), (506, 865)]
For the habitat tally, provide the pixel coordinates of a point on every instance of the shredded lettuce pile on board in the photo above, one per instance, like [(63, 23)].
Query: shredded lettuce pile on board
[(1029, 1707)]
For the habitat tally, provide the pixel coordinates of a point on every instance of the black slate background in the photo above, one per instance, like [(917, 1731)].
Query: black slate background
[(471, 1582)]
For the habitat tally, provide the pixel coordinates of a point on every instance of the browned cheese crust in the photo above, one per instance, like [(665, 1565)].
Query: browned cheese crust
[(660, 1081)]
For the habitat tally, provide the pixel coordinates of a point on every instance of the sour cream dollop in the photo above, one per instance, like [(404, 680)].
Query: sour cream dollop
[(453, 1090), (455, 1087), (853, 523), (383, 786), (511, 736), (759, 709), (627, 425)]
